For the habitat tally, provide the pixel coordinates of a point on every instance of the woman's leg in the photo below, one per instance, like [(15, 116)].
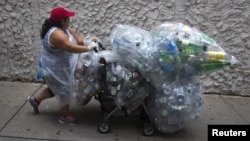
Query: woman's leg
[(67, 117), (44, 94), (36, 100), (65, 110)]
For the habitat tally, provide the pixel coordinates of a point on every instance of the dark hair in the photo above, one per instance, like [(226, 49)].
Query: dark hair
[(47, 24)]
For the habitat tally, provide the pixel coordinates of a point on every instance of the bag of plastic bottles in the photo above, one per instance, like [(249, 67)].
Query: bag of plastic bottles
[(188, 51), (159, 67), (85, 77), (182, 53), (172, 107), (134, 46), (87, 82), (127, 88)]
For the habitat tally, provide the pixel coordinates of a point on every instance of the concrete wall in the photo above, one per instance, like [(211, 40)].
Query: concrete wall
[(224, 20)]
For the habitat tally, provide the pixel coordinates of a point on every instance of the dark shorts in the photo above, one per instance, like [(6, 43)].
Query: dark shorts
[(51, 93)]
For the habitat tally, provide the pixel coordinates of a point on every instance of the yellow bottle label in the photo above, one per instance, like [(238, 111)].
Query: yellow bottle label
[(216, 56)]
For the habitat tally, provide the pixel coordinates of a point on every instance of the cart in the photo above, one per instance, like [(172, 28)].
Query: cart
[(132, 105)]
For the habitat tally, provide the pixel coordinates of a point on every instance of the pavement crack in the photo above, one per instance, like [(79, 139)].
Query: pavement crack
[(19, 109), (15, 137)]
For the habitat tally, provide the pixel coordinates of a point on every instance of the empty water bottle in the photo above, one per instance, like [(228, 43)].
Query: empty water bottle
[(166, 90), (180, 97), (168, 47), (212, 56)]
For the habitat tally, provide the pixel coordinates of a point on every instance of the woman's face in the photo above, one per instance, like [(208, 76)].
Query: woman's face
[(66, 23)]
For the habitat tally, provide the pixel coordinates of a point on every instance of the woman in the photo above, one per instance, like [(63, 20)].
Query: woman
[(59, 56)]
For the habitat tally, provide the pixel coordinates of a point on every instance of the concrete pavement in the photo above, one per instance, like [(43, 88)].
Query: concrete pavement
[(19, 123)]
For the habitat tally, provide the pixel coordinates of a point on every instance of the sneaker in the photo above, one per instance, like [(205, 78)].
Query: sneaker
[(68, 119), (34, 103)]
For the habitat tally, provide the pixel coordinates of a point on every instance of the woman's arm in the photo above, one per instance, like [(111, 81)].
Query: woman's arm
[(78, 38), (59, 39)]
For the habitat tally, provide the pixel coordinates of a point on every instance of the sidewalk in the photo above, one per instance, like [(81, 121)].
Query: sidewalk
[(19, 123)]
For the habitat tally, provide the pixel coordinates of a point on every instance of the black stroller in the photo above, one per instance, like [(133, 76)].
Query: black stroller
[(123, 93)]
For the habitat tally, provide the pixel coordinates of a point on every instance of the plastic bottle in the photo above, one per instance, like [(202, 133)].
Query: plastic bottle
[(113, 91), (162, 100), (166, 62), (77, 82), (164, 112), (88, 89), (171, 47), (166, 90), (113, 88), (165, 57), (136, 63), (180, 97), (190, 48), (135, 80), (130, 93), (78, 74), (211, 56), (189, 89), (168, 46), (210, 67)]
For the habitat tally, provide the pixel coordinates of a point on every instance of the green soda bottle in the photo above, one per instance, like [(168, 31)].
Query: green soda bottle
[(188, 48), (209, 67), (165, 57)]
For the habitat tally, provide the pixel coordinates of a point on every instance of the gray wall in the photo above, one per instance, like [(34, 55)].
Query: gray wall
[(224, 20)]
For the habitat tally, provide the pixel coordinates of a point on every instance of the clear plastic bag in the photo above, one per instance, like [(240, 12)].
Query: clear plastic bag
[(134, 46), (172, 107), (188, 51), (86, 80), (127, 88), (160, 68)]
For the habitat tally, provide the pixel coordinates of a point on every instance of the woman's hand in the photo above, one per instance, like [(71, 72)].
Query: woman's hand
[(92, 45)]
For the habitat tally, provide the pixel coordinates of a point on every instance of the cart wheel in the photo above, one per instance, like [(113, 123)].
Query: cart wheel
[(148, 129), (103, 127)]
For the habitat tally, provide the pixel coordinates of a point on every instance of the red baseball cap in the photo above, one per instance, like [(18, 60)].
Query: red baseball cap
[(59, 13)]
